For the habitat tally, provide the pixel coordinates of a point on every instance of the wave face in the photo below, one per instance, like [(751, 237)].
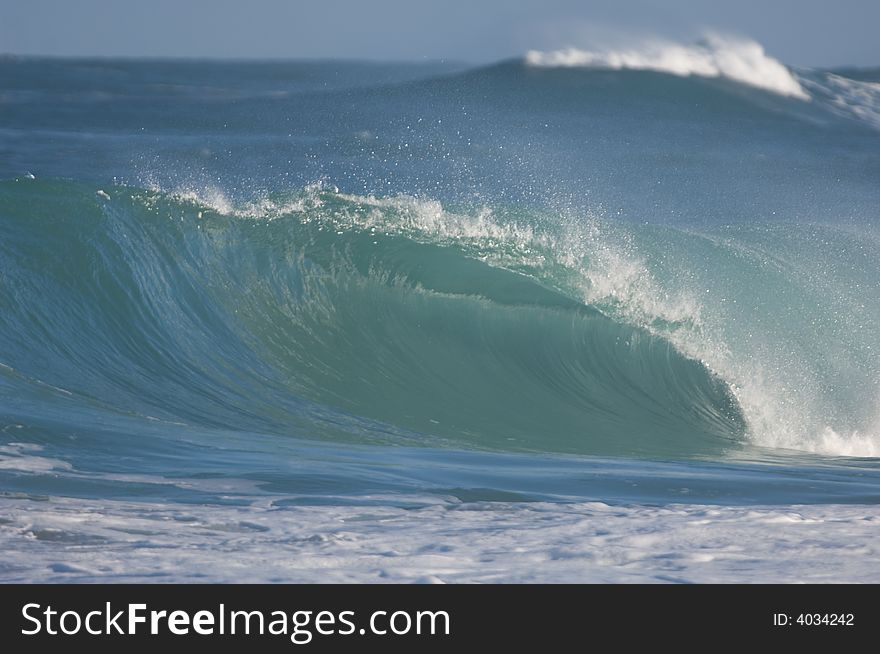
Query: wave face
[(392, 310), (662, 252)]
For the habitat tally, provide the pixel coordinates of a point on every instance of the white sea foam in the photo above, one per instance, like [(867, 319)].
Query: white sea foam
[(79, 540), (20, 457), (849, 97), (406, 215), (424, 218), (741, 60), (215, 199)]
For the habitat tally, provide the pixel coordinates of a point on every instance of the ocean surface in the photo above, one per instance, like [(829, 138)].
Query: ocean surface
[(579, 316)]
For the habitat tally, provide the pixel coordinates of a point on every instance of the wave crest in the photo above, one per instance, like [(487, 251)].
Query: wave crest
[(740, 60)]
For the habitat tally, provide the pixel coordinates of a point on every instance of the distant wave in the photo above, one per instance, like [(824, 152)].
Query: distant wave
[(741, 60), (853, 98)]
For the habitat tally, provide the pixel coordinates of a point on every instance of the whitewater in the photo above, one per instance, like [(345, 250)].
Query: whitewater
[(588, 315)]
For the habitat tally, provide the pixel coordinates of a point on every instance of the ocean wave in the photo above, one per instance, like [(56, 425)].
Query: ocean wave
[(852, 98), (740, 60), (517, 330)]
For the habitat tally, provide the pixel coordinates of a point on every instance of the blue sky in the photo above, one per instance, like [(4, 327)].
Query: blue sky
[(805, 32)]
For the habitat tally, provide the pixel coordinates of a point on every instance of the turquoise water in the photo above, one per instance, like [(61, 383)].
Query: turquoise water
[(543, 280)]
